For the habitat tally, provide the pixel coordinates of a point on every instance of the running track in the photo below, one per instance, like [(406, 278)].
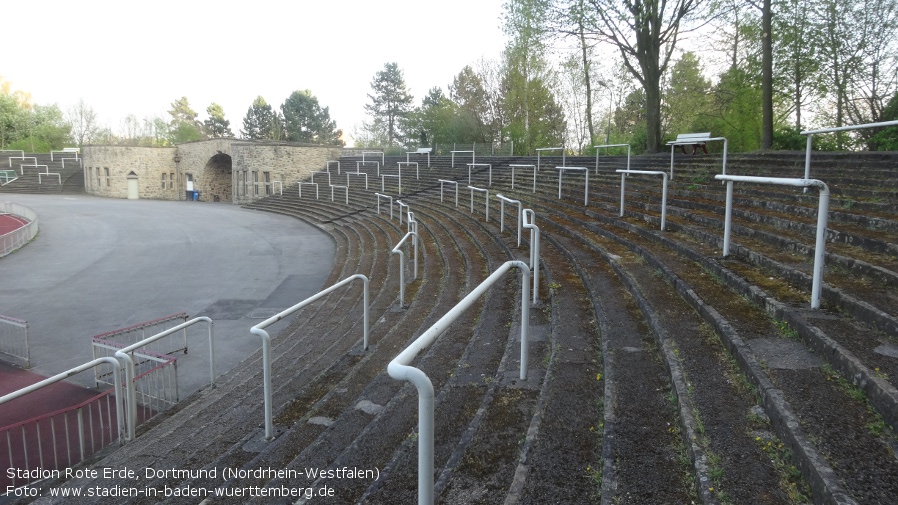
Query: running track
[(9, 223)]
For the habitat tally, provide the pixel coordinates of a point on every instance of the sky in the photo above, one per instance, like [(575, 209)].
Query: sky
[(126, 58)]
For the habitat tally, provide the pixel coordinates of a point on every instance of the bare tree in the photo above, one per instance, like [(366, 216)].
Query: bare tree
[(84, 123)]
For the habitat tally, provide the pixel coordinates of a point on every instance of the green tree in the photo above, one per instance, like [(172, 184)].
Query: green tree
[(217, 126), (306, 121), (261, 122), (736, 113), (472, 114), (645, 32), (686, 96), (184, 125), (391, 103), (796, 58), (525, 64)]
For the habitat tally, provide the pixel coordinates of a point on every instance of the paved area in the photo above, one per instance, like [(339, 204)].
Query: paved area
[(101, 264)]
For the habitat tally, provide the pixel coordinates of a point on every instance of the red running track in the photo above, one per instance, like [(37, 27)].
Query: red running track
[(9, 223)]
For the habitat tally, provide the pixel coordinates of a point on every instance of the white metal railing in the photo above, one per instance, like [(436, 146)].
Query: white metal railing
[(378, 153), (8, 176), (259, 330), (585, 171), (529, 221), (389, 199), (608, 146), (502, 201), (540, 150), (472, 153), (413, 235), (14, 338), (40, 179), (811, 133), (398, 178), (400, 369), (447, 181), (359, 164), (623, 177), (78, 438), (301, 184), (327, 165), (822, 219), (523, 166), (78, 160), (338, 186), (328, 174), (401, 205), (363, 174), (23, 158), (472, 165), (17, 238), (674, 144), (487, 200), (410, 163), (125, 355), (68, 150), (123, 337)]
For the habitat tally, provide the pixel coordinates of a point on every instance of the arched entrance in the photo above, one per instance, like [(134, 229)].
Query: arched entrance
[(218, 173)]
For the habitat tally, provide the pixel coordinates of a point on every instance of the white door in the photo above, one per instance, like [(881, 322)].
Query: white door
[(132, 189)]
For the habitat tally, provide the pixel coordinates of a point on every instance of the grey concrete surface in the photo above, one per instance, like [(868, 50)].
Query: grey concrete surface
[(101, 264)]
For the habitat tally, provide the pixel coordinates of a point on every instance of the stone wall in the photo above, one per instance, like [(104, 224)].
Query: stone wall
[(287, 163), (106, 170), (223, 170)]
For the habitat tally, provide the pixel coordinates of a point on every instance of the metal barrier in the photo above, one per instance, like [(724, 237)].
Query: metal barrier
[(124, 354), (413, 234), (563, 154), (14, 338), (487, 201), (446, 181), (529, 220), (327, 166), (623, 176), (124, 337), (338, 186), (822, 219), (674, 144), (17, 238), (415, 163), (379, 153), (259, 330), (390, 198), (83, 442), (73, 150), (473, 157), (811, 133), (606, 146), (523, 166), (328, 174), (357, 173), (586, 187), (358, 166), (471, 165), (401, 205), (71, 160), (400, 369), (502, 201), (301, 184), (23, 158), (398, 179)]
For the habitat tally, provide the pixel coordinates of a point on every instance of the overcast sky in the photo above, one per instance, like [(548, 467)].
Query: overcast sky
[(138, 57)]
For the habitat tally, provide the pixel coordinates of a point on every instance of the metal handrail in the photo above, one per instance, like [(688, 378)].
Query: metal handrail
[(673, 145), (413, 234), (487, 205), (586, 187), (388, 197), (123, 354), (522, 166), (301, 184), (623, 176), (822, 219), (472, 165), (611, 145), (456, 189), (473, 157), (563, 154), (338, 186), (365, 174), (529, 220), (811, 133), (358, 166), (400, 369), (327, 165), (116, 380), (502, 201), (259, 330), (415, 163), (312, 177), (401, 205), (22, 351), (381, 153)]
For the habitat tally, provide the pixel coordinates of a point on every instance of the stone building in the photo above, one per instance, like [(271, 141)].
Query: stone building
[(225, 170)]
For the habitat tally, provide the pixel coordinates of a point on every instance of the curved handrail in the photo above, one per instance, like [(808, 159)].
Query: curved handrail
[(400, 368), (529, 220), (413, 233), (266, 340)]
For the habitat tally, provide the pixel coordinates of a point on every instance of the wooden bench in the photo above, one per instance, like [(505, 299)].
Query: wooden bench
[(696, 140), (419, 151)]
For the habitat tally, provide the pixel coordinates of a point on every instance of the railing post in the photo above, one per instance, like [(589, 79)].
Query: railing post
[(728, 219)]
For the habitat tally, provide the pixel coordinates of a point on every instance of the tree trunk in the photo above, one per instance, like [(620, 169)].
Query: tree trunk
[(588, 82), (767, 78)]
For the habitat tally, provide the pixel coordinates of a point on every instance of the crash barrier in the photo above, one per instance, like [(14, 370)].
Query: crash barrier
[(623, 178)]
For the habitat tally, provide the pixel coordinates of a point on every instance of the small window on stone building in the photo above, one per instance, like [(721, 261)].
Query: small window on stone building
[(98, 178), (106, 173), (267, 178), (163, 180), (171, 180), (255, 183)]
